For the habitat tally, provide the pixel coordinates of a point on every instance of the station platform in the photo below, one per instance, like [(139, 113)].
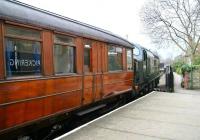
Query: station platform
[(156, 116)]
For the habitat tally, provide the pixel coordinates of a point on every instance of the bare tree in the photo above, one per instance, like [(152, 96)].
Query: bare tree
[(173, 21)]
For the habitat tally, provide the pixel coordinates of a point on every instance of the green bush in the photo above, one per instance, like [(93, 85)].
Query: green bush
[(177, 66), (186, 68), (180, 66)]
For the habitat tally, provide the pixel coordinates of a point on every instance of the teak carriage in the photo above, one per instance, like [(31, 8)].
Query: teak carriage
[(50, 65)]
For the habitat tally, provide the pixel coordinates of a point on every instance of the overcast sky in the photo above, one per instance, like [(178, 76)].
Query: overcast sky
[(118, 16)]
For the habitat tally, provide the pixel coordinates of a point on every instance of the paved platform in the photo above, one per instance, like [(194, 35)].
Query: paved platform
[(157, 116)]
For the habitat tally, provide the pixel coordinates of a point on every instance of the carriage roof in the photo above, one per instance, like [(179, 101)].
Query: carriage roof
[(23, 13)]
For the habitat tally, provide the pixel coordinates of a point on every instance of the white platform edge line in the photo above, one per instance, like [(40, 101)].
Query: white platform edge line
[(82, 126)]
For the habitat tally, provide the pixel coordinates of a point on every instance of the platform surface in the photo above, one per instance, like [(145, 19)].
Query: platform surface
[(157, 116)]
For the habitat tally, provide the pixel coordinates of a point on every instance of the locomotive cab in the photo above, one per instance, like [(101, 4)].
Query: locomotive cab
[(146, 70)]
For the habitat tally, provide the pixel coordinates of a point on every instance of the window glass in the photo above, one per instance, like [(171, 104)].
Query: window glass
[(23, 57), (64, 59), (155, 62), (129, 59), (114, 58), (63, 39), (17, 31), (136, 51), (87, 57), (64, 55)]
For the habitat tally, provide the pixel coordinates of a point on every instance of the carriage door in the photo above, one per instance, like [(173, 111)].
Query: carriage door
[(144, 63), (89, 74)]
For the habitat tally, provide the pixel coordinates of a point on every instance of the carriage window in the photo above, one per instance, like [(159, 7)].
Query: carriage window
[(114, 58), (64, 54), (136, 51), (64, 39), (17, 31), (23, 56), (87, 57), (129, 59)]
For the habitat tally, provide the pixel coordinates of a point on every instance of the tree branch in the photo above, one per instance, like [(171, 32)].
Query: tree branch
[(174, 39), (175, 21), (197, 44)]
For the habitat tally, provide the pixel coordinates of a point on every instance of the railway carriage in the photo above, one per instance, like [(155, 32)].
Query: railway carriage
[(51, 65)]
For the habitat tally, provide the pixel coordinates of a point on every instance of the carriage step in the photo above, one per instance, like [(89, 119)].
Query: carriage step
[(90, 110)]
